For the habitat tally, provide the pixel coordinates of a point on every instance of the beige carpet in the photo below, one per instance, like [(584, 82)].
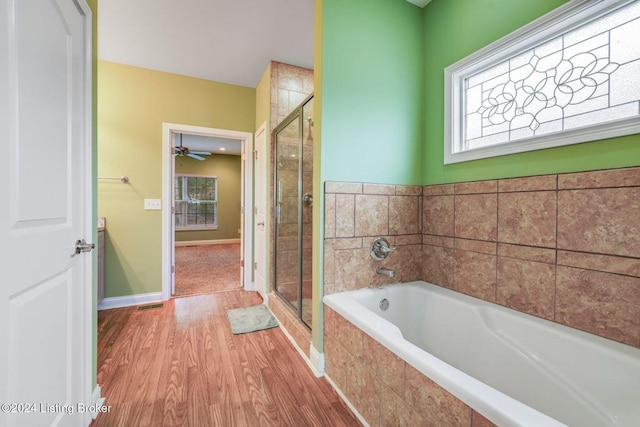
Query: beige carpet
[(206, 269)]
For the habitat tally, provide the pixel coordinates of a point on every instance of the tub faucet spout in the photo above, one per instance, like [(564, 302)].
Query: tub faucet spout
[(383, 271)]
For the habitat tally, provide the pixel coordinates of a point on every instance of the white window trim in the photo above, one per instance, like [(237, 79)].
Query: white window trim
[(196, 227), (560, 20)]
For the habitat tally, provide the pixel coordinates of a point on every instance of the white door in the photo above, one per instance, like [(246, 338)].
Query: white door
[(45, 170), (243, 157), (260, 185), (172, 233)]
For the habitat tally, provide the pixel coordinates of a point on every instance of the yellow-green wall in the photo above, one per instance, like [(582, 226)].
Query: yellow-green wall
[(132, 106), (228, 171)]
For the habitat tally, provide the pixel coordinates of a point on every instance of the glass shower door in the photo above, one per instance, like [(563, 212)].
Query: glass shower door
[(287, 212), (307, 211), (293, 188)]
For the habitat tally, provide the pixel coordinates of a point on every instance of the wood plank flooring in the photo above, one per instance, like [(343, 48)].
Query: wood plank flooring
[(180, 365)]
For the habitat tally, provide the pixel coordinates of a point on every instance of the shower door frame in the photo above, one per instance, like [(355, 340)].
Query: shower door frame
[(297, 113)]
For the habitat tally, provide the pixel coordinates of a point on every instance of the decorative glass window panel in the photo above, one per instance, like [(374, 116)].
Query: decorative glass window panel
[(196, 202), (569, 77)]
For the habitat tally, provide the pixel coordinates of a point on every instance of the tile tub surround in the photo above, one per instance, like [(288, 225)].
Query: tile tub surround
[(562, 247), (357, 213), (384, 389), (565, 248)]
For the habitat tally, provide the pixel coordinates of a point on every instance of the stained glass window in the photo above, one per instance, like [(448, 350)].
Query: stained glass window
[(584, 76)]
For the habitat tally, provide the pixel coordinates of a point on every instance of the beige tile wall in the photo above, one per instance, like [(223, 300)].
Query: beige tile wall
[(562, 247), (290, 85), (357, 213), (384, 389)]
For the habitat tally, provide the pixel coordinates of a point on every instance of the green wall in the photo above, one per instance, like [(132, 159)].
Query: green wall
[(372, 89), (368, 80), (133, 104), (454, 29), (228, 170)]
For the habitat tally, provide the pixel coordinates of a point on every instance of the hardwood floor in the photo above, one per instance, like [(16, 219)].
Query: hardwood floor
[(180, 365)]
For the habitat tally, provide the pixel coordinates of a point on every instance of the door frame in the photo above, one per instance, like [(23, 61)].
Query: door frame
[(169, 130), (265, 259), (91, 392)]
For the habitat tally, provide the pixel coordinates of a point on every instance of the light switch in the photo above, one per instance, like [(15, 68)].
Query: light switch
[(152, 204)]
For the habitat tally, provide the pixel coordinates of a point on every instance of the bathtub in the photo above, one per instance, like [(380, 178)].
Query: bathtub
[(513, 368)]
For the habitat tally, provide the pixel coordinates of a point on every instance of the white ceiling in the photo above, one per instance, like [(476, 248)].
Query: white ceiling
[(420, 3), (229, 41), (213, 145)]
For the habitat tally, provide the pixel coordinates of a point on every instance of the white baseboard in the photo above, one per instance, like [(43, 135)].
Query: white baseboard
[(206, 242), (317, 360), (129, 300), (96, 401)]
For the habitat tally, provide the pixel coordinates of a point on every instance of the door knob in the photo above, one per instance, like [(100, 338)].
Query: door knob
[(307, 199), (83, 246)]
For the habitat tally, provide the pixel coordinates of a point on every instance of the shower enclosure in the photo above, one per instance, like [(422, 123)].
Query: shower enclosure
[(293, 201)]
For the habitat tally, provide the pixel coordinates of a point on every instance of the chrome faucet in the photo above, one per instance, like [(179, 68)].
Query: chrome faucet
[(383, 271)]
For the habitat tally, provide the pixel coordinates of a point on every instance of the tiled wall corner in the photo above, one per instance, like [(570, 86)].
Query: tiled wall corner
[(357, 213), (384, 389), (562, 247), (290, 85)]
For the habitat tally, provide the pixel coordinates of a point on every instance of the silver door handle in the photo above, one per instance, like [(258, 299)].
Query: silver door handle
[(83, 246)]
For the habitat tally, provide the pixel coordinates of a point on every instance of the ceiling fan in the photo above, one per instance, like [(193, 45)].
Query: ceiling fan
[(184, 151)]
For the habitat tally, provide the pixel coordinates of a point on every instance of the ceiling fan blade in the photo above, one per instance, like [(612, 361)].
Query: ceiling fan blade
[(195, 156), (202, 153)]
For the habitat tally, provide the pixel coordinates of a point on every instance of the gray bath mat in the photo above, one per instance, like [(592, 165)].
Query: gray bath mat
[(249, 319)]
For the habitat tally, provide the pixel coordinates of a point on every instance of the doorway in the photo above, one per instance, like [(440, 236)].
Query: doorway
[(207, 201), (193, 194)]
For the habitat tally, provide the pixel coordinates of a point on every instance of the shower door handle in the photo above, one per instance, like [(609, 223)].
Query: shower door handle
[(307, 199)]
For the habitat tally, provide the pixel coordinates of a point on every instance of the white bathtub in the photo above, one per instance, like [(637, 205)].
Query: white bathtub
[(515, 369)]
